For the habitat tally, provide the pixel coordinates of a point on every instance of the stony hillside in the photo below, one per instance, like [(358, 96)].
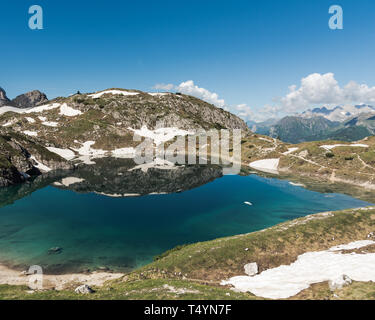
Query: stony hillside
[(21, 158), (84, 126), (324, 161)]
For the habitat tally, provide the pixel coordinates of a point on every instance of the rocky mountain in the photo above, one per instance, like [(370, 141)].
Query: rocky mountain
[(339, 113), (3, 98), (22, 158), (85, 126), (262, 127), (295, 129), (29, 99), (25, 100)]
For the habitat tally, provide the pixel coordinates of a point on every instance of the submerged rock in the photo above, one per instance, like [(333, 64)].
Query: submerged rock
[(55, 250)]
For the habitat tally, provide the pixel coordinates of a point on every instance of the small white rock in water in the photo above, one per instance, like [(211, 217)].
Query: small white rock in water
[(339, 283), (83, 289), (248, 203), (251, 269)]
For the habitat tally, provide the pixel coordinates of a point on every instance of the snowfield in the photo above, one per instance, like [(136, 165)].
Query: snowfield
[(266, 165), (160, 135), (311, 267), (124, 93), (63, 153), (65, 110), (330, 147)]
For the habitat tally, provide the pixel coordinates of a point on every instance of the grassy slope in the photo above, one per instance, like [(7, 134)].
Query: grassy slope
[(354, 165), (199, 268)]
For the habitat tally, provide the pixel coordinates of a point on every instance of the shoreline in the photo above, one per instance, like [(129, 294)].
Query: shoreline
[(58, 282), (71, 280)]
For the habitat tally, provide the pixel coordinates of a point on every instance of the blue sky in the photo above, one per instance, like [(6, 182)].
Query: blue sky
[(248, 52)]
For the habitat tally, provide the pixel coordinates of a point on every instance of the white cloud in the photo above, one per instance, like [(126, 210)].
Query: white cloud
[(188, 87), (244, 111), (318, 89)]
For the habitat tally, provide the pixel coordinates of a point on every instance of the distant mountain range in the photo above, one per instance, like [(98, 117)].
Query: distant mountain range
[(339, 113), (346, 123)]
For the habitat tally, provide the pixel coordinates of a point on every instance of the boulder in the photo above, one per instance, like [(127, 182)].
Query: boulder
[(339, 283), (251, 269), (84, 289)]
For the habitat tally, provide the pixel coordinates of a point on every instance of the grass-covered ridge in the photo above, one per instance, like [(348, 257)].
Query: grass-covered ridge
[(195, 271)]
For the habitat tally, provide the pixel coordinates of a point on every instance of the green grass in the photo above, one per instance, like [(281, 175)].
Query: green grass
[(158, 289)]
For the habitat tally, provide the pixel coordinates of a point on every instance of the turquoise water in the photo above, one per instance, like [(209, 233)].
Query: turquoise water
[(123, 233)]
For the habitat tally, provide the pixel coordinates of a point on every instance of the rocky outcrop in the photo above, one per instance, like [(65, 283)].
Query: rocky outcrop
[(4, 101), (29, 99), (84, 289), (20, 158)]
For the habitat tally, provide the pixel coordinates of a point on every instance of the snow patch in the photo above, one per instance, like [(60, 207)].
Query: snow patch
[(40, 165), (123, 153), (160, 135), (266, 165), (64, 153), (86, 149), (71, 180), (124, 93), (31, 133), (311, 267), (8, 124), (31, 120), (156, 163), (330, 147), (50, 124), (65, 110), (29, 110)]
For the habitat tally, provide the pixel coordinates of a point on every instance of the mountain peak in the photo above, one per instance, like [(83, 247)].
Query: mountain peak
[(3, 97), (30, 99)]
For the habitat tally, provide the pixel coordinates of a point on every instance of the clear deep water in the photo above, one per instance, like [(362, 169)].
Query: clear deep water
[(123, 233)]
